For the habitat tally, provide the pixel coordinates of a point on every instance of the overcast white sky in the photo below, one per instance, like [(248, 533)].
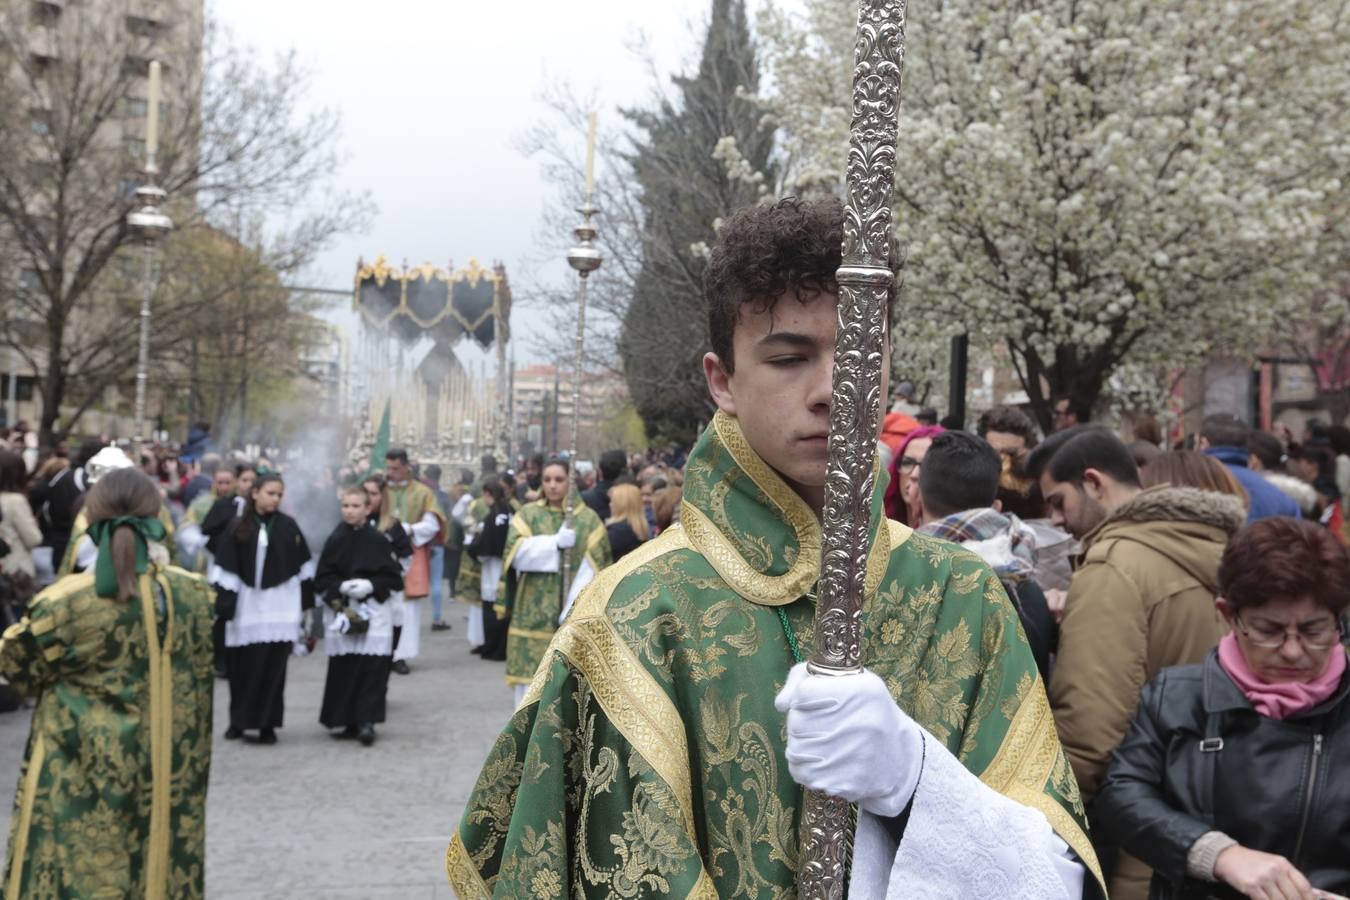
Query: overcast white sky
[(434, 96)]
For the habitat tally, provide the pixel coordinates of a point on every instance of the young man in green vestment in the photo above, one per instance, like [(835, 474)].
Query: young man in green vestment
[(413, 505), (663, 746)]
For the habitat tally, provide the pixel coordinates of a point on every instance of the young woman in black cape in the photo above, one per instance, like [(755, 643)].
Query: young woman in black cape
[(263, 574)]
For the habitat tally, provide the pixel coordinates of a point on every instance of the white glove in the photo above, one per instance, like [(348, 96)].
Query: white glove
[(566, 538), (359, 588), (847, 738), (345, 588), (340, 624)]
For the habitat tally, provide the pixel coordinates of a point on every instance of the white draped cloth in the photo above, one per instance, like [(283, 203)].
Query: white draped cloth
[(963, 839), (540, 554)]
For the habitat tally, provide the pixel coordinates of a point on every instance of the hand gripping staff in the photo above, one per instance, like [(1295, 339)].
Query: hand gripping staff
[(865, 280)]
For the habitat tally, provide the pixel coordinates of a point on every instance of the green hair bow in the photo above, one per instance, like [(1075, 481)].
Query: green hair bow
[(147, 528)]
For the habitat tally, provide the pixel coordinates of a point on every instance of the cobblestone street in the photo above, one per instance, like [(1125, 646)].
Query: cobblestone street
[(316, 817)]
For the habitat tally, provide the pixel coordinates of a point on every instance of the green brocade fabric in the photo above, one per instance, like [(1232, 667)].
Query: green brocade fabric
[(647, 759), (112, 795), (533, 600)]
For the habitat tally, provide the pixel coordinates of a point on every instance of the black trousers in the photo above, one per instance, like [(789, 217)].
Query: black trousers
[(494, 634)]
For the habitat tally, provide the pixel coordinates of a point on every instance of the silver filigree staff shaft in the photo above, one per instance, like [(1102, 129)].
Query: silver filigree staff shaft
[(865, 281)]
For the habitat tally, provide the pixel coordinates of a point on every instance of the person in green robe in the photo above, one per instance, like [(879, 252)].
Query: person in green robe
[(530, 591), (111, 799), (413, 505), (660, 749), (469, 587), (191, 541)]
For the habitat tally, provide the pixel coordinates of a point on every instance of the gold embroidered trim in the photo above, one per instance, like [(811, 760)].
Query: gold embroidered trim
[(1022, 767), (464, 878), (595, 597), (528, 633), (722, 555), (523, 530), (30, 785), (634, 703), (53, 653), (42, 626), (161, 735)]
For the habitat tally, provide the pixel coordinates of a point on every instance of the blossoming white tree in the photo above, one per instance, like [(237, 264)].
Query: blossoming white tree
[(1093, 183)]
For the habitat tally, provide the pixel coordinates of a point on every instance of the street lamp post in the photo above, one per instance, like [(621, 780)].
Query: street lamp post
[(150, 225)]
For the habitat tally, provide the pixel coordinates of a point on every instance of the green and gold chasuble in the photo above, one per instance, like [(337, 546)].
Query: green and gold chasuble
[(647, 759), (112, 796), (409, 502), (533, 600), (469, 585), (81, 525), (195, 514)]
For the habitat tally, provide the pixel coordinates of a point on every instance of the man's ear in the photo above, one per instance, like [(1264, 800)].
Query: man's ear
[(719, 383), (1225, 610), (1094, 484), (1202, 443)]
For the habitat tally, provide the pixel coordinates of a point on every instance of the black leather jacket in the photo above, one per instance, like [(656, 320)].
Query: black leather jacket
[(1277, 786)]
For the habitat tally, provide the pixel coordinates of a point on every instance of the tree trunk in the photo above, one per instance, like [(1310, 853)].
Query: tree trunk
[(53, 381)]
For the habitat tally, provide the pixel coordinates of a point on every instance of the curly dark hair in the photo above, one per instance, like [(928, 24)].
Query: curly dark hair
[(1007, 420), (765, 251)]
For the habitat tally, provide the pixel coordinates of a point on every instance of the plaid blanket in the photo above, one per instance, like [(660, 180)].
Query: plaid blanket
[(1000, 539)]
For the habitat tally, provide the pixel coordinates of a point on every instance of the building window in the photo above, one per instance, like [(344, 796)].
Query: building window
[(40, 121), (23, 388), (135, 108), (135, 147), (127, 186)]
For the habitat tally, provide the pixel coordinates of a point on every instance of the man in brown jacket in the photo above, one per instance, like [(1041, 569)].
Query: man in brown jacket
[(1141, 599)]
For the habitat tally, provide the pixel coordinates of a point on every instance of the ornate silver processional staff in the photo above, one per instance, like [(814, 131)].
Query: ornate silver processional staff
[(585, 258), (865, 279)]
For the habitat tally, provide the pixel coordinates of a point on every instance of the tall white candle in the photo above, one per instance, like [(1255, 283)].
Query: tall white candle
[(590, 154), (152, 115)]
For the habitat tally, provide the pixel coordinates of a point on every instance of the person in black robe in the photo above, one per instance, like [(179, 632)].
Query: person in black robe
[(486, 544), (218, 519), (398, 537), (357, 574), (264, 579)]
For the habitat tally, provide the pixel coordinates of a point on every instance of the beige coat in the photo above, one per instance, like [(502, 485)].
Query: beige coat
[(20, 530), (1141, 599)]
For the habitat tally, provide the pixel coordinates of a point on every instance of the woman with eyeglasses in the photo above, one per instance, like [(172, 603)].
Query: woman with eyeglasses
[(1231, 780)]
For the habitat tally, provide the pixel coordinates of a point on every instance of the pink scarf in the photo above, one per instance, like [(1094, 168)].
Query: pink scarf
[(1282, 699)]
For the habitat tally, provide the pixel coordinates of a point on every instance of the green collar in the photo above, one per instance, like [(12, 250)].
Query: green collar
[(759, 535)]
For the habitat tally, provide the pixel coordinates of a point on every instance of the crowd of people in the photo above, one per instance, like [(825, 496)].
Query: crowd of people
[(1192, 654), (1161, 628)]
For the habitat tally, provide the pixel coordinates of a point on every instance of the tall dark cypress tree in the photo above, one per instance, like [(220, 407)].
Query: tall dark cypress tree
[(684, 191)]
